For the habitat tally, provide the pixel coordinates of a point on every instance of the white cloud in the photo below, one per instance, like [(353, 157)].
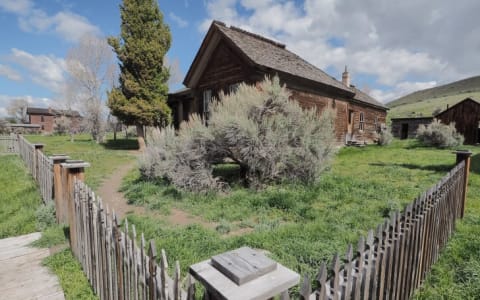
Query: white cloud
[(397, 42), (66, 24), (20, 7), (32, 101), (182, 23), (10, 73), (400, 89), (45, 70)]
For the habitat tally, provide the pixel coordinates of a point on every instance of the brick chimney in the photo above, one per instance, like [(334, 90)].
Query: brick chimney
[(346, 77)]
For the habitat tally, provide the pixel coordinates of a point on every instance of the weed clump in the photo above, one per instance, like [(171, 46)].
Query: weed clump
[(45, 216), (439, 135), (269, 136), (385, 137)]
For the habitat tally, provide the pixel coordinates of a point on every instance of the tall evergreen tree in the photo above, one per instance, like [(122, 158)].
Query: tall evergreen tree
[(141, 98)]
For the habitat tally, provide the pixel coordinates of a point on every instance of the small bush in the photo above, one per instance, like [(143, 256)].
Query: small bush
[(439, 135), (270, 137), (385, 137), (45, 216)]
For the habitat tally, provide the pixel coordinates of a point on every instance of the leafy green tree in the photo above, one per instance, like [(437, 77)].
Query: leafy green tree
[(141, 98)]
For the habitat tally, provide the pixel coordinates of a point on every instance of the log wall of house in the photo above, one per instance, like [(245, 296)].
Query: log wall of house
[(412, 125), (466, 116), (224, 68), (373, 118)]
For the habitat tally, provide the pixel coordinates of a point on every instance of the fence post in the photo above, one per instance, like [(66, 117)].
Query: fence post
[(464, 155), (72, 170), (60, 209), (38, 148)]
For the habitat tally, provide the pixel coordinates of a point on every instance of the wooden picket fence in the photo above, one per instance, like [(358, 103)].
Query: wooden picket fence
[(115, 265), (8, 144), (38, 164), (395, 258)]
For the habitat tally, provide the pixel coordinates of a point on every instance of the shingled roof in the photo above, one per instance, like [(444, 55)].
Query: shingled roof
[(266, 53)]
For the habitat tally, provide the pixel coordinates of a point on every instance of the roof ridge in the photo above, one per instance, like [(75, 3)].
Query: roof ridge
[(257, 36)]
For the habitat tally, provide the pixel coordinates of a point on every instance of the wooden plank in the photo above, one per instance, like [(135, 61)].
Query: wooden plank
[(243, 265), (22, 267)]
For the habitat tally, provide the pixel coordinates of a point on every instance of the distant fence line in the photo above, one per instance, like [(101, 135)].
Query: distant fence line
[(389, 264)]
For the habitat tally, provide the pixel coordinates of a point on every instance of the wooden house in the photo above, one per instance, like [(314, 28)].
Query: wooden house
[(466, 116), (229, 56), (406, 128)]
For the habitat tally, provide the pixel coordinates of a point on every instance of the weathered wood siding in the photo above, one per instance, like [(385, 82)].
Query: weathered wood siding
[(372, 117), (224, 68), (341, 110), (466, 116), (411, 123)]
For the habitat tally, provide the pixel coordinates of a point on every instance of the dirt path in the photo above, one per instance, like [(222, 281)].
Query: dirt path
[(109, 192), (115, 200)]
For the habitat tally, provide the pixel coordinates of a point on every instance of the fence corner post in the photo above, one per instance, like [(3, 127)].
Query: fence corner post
[(38, 148), (464, 155), (57, 160), (72, 169)]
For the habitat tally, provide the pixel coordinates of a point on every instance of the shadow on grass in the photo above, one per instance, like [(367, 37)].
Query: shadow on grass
[(434, 168), (121, 144), (475, 164)]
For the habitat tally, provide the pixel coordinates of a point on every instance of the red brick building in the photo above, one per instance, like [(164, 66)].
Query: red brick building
[(46, 117), (229, 56)]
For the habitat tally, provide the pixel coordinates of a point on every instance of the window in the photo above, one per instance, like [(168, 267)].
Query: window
[(207, 97), (377, 125), (42, 119), (362, 121)]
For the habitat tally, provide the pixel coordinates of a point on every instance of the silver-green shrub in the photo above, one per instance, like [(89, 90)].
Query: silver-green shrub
[(385, 137), (439, 135), (260, 128)]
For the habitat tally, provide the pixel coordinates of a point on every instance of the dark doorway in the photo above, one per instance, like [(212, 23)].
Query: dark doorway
[(404, 133), (478, 135)]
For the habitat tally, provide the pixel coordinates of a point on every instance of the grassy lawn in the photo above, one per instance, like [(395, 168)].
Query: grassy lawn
[(103, 158), (303, 225), (19, 198), (19, 206)]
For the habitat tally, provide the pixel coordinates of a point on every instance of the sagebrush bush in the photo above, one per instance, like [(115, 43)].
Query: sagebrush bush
[(385, 137), (45, 216), (268, 135), (439, 135)]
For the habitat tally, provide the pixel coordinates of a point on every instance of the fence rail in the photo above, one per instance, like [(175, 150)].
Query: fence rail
[(38, 164), (8, 143), (394, 259), (115, 265)]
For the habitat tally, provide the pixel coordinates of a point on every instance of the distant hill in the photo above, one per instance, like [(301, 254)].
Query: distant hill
[(425, 102)]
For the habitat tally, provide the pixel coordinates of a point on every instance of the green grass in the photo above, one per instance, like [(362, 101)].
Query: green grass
[(74, 283), (103, 158), (425, 107), (301, 225), (19, 198)]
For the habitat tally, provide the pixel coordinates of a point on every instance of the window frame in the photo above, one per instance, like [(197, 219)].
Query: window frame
[(361, 125)]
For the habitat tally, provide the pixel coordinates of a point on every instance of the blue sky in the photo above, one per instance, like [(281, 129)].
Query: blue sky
[(391, 47)]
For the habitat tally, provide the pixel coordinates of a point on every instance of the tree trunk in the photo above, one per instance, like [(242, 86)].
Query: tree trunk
[(141, 138)]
